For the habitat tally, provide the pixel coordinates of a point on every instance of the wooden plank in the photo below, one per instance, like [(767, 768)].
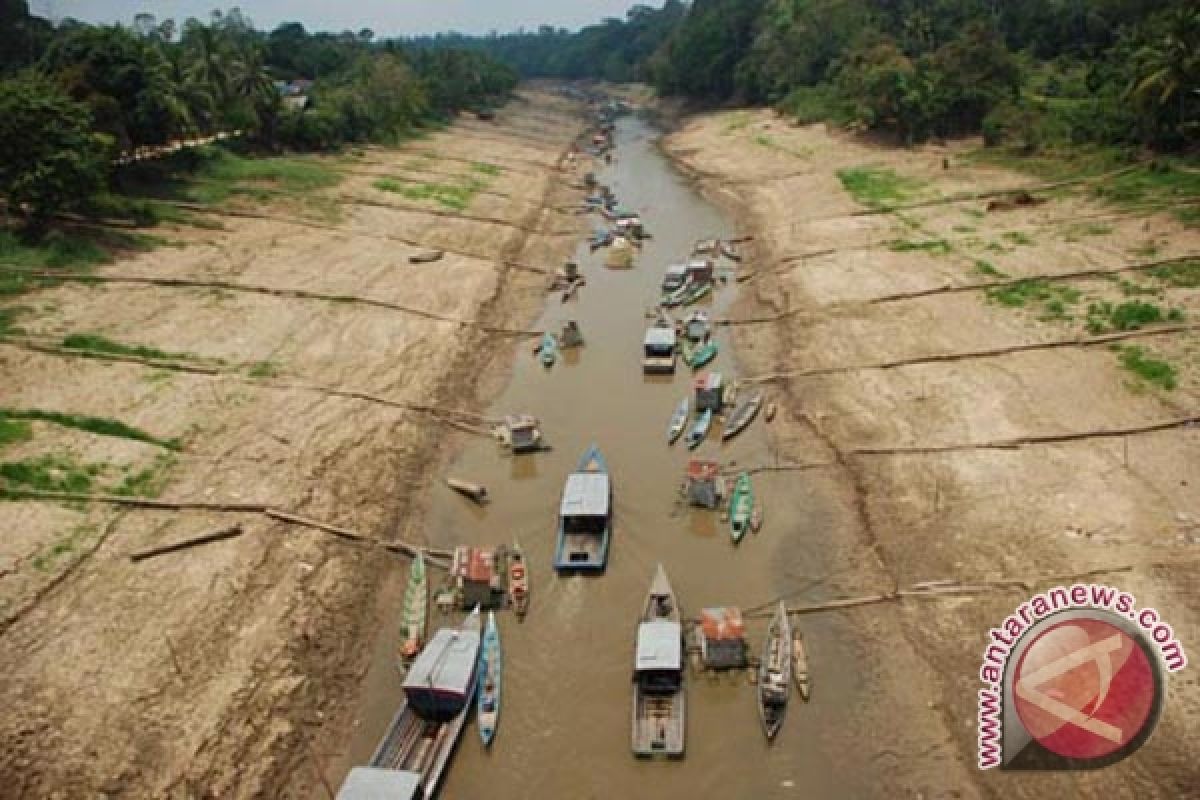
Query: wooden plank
[(215, 536)]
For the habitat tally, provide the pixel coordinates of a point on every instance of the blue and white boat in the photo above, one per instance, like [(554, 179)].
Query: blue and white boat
[(696, 435), (490, 669), (585, 516)]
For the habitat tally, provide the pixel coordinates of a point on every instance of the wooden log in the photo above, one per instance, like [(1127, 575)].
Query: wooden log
[(354, 536), (475, 491), (216, 536)]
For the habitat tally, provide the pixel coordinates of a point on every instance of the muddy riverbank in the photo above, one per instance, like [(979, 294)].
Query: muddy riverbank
[(223, 670), (924, 493)]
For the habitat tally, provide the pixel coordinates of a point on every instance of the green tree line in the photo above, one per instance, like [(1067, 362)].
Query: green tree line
[(74, 97), (1124, 72)]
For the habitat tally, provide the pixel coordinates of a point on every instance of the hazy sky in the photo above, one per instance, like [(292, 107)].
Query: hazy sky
[(385, 17)]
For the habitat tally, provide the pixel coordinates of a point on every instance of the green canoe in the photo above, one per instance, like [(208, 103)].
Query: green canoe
[(704, 354), (741, 504)]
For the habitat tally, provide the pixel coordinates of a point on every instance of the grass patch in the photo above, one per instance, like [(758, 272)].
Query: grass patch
[(101, 426), (94, 343), (13, 431), (49, 557), (148, 482), (878, 188), (482, 167), (963, 229), (222, 174), (1152, 370), (1183, 275), (264, 369), (1016, 237), (456, 198), (1163, 183), (1032, 292), (55, 250), (9, 315), (1129, 316), (49, 473), (737, 121), (989, 269), (1131, 289), (938, 247)]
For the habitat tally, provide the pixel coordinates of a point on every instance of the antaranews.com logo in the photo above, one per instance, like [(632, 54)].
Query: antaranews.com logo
[(1074, 679)]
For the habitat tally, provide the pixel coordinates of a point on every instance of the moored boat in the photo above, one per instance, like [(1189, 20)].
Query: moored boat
[(659, 702), (678, 420), (703, 355), (416, 611), (742, 416), (774, 673), (548, 349), (741, 506), (696, 292), (696, 326), (490, 671), (800, 665), (700, 429), (518, 581), (585, 516), (424, 731), (677, 296)]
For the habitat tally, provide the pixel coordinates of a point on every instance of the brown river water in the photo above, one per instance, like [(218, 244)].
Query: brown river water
[(564, 729)]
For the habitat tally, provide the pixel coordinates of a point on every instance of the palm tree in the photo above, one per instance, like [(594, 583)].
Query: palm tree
[(207, 60), (1168, 69), (250, 81)]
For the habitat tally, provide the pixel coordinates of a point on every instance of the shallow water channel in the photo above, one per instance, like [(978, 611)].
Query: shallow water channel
[(564, 729)]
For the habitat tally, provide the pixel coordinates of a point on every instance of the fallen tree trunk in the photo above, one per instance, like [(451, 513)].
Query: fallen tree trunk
[(216, 536)]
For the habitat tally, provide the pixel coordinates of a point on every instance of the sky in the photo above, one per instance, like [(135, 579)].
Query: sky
[(385, 17)]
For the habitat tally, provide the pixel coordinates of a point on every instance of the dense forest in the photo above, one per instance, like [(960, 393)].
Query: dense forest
[(1121, 72), (75, 97)]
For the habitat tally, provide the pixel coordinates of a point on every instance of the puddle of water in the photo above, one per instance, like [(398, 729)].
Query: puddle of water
[(564, 728)]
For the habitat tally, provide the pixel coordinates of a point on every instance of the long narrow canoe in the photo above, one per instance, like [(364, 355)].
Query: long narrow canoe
[(678, 421), (696, 435), (491, 665), (741, 506), (704, 354), (416, 611), (742, 416), (518, 581), (800, 665), (677, 297), (774, 673)]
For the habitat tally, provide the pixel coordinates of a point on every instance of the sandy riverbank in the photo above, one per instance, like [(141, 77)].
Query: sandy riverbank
[(911, 448), (209, 672)]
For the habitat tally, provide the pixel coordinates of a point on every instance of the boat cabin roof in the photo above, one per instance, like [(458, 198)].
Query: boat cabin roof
[(722, 623), (520, 421), (708, 380), (698, 470), (585, 495), (659, 645), (446, 664), (375, 783), (659, 337), (677, 269)]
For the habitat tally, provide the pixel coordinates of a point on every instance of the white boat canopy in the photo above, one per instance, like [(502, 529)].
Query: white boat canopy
[(657, 337), (370, 783), (585, 495), (659, 645)]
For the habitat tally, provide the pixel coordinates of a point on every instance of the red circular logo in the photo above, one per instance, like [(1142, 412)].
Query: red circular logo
[(1084, 688)]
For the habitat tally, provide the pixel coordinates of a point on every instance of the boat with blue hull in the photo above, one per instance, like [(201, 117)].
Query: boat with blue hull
[(490, 669), (585, 516)]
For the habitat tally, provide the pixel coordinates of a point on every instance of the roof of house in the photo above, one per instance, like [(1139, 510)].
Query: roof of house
[(722, 623)]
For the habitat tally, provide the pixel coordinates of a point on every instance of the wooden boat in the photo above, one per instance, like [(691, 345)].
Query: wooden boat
[(548, 349), (518, 581), (741, 505), (770, 411), (678, 420), (697, 291), (490, 671), (800, 665), (756, 518), (774, 673), (706, 353), (696, 435), (424, 731), (659, 702), (742, 416), (677, 297), (416, 611), (585, 516)]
